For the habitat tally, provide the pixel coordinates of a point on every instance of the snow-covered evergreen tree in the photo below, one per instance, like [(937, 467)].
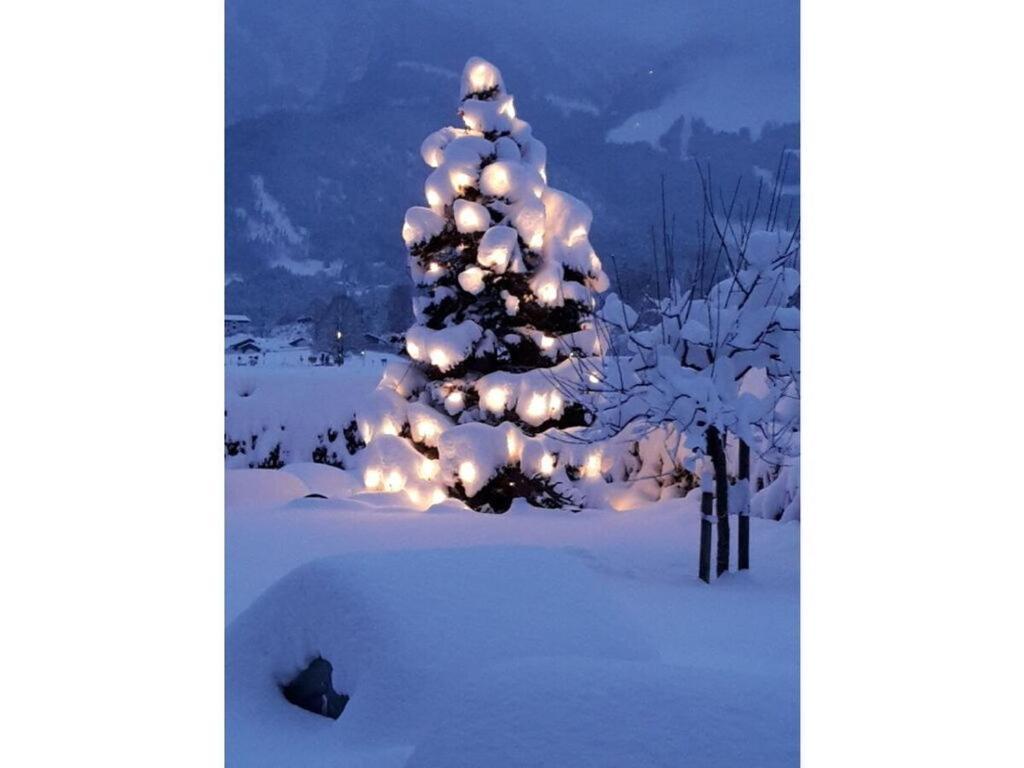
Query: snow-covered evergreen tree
[(507, 278)]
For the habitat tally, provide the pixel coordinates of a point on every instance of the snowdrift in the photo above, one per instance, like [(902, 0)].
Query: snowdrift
[(410, 634)]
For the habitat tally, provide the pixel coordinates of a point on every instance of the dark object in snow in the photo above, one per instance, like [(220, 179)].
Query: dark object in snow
[(313, 690), (744, 475), (707, 500), (314, 496)]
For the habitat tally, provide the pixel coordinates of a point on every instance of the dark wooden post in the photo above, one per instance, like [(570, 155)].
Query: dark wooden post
[(716, 451), (744, 511), (706, 504)]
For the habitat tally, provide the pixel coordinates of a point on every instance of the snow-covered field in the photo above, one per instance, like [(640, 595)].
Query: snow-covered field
[(533, 638)]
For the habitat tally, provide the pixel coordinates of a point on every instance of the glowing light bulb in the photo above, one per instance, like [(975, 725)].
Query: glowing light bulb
[(555, 402), (472, 280), (388, 428), (497, 258), (593, 378), (548, 292), (437, 496), (461, 180), (471, 122), (426, 429), (537, 241), (439, 358), (434, 199), (496, 399), (372, 478), (509, 109), (407, 232), (413, 349), (394, 481), (495, 180), (434, 268), (478, 77), (455, 397), (414, 495), (547, 464), (578, 234), (593, 466), (429, 469), (512, 443), (467, 471), (537, 407), (434, 158), (546, 342), (470, 219)]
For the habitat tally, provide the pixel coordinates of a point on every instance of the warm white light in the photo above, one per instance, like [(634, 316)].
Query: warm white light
[(555, 402), (472, 280), (593, 465), (429, 469), (547, 464), (439, 358), (388, 428), (426, 429), (496, 257), (434, 268), (508, 108), (407, 232), (394, 481), (455, 397), (595, 263), (478, 77), (434, 158), (413, 349), (546, 342), (414, 495), (461, 180), (467, 472), (494, 180), (512, 443), (434, 199), (496, 399), (437, 496), (372, 478), (544, 175), (537, 407), (580, 233), (470, 219), (593, 378), (470, 122), (538, 191), (548, 292), (537, 241)]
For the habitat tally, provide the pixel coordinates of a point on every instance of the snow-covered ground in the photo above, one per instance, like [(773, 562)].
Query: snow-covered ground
[(533, 638)]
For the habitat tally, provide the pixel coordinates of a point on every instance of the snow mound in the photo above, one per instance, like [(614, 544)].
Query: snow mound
[(255, 488), (324, 479), (406, 633)]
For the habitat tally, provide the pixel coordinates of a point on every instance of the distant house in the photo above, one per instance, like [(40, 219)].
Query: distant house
[(245, 346), (236, 324)]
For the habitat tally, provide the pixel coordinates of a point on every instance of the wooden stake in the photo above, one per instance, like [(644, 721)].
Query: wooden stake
[(704, 569), (744, 512)]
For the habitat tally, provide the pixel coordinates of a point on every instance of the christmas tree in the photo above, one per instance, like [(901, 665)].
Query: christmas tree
[(503, 329)]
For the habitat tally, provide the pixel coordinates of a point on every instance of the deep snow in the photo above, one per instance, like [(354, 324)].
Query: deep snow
[(530, 638)]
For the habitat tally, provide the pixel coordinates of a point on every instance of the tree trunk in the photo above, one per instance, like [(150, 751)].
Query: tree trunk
[(706, 504), (744, 513), (716, 451)]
